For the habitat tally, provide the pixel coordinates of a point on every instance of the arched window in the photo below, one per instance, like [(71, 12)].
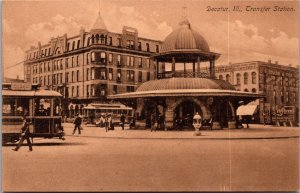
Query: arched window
[(221, 77), (238, 79), (253, 77), (246, 90), (228, 78), (245, 78), (253, 90)]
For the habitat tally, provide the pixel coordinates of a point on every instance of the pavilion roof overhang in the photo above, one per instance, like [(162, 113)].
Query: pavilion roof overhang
[(185, 55), (185, 93)]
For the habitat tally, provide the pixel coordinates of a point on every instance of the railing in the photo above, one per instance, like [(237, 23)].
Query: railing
[(182, 74)]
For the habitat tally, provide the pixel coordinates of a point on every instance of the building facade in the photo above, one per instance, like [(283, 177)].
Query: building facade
[(91, 65), (279, 83)]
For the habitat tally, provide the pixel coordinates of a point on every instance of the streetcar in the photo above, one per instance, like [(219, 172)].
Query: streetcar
[(41, 107), (94, 111)]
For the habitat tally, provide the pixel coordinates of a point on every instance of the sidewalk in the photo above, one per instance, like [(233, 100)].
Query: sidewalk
[(254, 132)]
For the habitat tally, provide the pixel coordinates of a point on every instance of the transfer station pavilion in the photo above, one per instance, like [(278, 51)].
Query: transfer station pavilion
[(183, 87)]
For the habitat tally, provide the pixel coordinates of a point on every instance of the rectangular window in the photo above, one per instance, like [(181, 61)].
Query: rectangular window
[(77, 91), (110, 74), (140, 46), (148, 63), (77, 60), (130, 88), (157, 48), (72, 62), (140, 76), (61, 64), (140, 62), (103, 74), (118, 60), (77, 75), (92, 90), (110, 58), (109, 41), (48, 79), (72, 78), (87, 74), (72, 91), (49, 52), (87, 58), (67, 77), (130, 75), (87, 90), (93, 74), (119, 75), (148, 47), (115, 89), (73, 45), (148, 76)]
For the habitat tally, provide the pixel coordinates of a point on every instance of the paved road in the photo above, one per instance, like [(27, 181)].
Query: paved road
[(83, 163)]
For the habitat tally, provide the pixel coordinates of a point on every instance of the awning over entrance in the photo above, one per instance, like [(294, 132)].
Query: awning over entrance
[(249, 109)]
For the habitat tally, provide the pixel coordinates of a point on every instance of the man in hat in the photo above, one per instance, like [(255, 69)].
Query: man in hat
[(77, 123), (25, 134)]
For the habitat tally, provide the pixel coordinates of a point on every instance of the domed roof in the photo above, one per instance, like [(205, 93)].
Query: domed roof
[(185, 83), (184, 38)]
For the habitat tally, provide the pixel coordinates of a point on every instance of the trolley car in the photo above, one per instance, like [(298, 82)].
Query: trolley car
[(41, 107)]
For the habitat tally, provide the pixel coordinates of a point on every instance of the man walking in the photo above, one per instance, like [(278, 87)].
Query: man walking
[(77, 123), (122, 121), (25, 134)]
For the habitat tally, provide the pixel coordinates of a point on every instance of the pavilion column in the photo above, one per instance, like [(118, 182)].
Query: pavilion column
[(156, 69), (212, 68), (198, 66), (173, 67), (194, 70)]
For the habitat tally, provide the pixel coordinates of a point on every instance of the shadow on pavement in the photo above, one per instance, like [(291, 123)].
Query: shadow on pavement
[(48, 144)]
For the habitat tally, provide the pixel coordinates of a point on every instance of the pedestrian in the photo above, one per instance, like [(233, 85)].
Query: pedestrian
[(153, 123), (77, 123), (122, 121), (25, 134), (106, 123), (109, 120)]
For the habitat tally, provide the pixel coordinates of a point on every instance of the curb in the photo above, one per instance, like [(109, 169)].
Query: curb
[(188, 138)]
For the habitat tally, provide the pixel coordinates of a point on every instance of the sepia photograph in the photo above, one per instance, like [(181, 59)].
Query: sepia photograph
[(150, 95)]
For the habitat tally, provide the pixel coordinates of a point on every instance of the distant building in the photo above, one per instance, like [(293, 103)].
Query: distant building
[(279, 83), (91, 65)]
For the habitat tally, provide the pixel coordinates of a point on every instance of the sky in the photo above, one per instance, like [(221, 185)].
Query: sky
[(239, 36)]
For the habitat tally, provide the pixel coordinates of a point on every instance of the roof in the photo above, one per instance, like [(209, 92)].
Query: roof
[(186, 93), (185, 83), (99, 23), (184, 38), (30, 93)]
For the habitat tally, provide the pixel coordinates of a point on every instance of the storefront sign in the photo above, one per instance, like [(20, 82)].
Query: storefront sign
[(283, 114), (21, 86)]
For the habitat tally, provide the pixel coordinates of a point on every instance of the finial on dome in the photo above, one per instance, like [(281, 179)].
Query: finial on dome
[(184, 21), (184, 12)]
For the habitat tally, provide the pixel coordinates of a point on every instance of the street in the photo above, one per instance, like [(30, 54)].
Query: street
[(83, 163)]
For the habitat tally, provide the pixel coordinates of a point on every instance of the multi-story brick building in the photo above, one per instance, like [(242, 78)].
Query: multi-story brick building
[(278, 82), (91, 65)]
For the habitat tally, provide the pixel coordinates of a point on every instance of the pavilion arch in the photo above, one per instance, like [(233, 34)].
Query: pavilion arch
[(205, 112)]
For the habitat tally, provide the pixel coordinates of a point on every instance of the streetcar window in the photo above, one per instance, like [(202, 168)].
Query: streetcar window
[(15, 106), (42, 107), (56, 107)]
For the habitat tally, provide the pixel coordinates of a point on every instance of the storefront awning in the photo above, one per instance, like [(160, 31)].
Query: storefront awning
[(249, 109)]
